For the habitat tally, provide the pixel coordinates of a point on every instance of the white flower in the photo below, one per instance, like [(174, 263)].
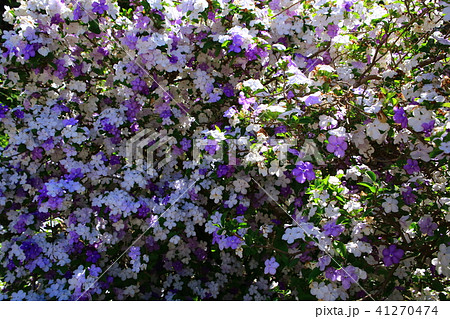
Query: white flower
[(241, 186), (324, 292), (175, 239), (445, 146), (442, 262), (232, 201), (253, 127), (390, 205), (422, 152), (420, 116), (375, 129), (326, 121), (332, 211), (253, 84), (292, 234), (216, 194), (275, 169), (358, 247)]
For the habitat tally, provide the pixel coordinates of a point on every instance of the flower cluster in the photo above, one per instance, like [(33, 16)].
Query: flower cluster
[(300, 150)]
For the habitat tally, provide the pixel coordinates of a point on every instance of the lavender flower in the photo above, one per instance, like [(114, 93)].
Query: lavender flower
[(337, 145), (331, 229), (348, 6), (324, 261), (427, 226), (271, 266), (236, 45), (332, 30), (428, 128), (347, 276)]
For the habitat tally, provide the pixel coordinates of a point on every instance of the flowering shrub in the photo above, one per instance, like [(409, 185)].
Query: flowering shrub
[(241, 209)]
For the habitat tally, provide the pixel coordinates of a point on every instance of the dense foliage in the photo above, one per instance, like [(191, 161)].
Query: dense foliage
[(309, 150)]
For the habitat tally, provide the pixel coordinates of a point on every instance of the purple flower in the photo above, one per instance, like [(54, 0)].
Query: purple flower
[(303, 171), (173, 59), (331, 229), (134, 252), (400, 116), (324, 261), (332, 30), (74, 173), (99, 7), (347, 276), (290, 95), (427, 226), (92, 256), (240, 209), (428, 127), (228, 90), (408, 196), (253, 52), (143, 211), (77, 13), (275, 5), (94, 271), (331, 274), (139, 85), (230, 112), (245, 102), (71, 121), (225, 170), (19, 114), (233, 242), (166, 114), (114, 160), (3, 110), (392, 255), (103, 51), (337, 145), (348, 6), (212, 147), (280, 129), (130, 41), (56, 19), (29, 51), (311, 100), (271, 266), (54, 202), (412, 166), (30, 249), (185, 144), (236, 45)]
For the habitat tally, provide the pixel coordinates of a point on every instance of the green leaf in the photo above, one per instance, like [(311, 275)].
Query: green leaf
[(314, 274), (372, 189), (94, 27), (372, 176), (340, 249)]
